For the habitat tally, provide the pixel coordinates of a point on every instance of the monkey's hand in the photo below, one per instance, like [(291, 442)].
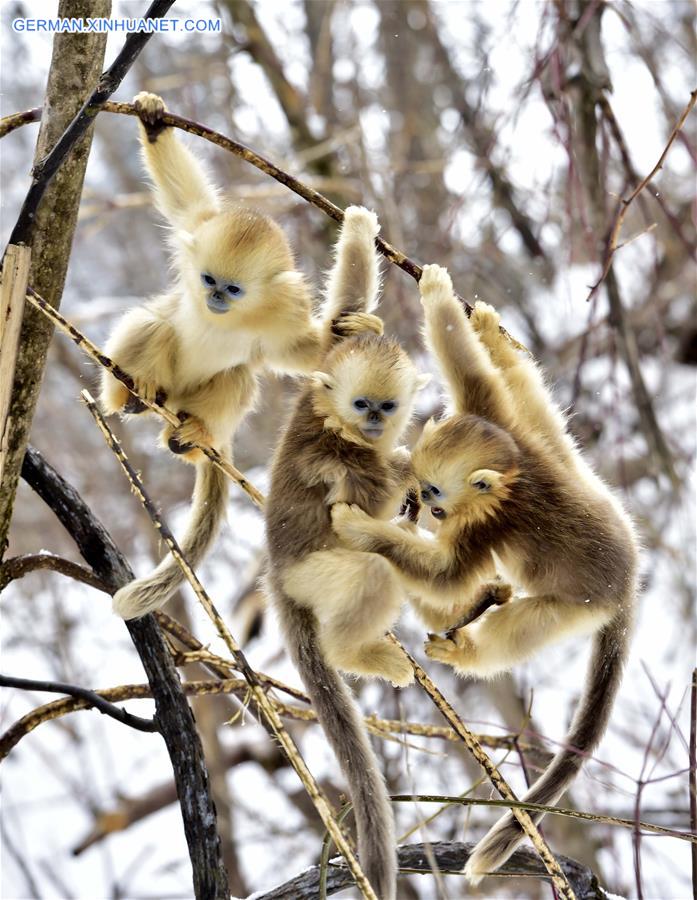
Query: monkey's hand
[(494, 594), (115, 396), (352, 525), (486, 322), (435, 284), (458, 651), (150, 108), (348, 324), (361, 221), (181, 439)]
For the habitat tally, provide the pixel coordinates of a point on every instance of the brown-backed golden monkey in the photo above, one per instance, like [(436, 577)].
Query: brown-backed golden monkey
[(334, 604), (502, 476), (238, 304)]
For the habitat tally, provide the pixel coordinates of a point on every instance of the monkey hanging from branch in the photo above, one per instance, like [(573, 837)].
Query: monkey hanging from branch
[(507, 485), (335, 604), (237, 305)]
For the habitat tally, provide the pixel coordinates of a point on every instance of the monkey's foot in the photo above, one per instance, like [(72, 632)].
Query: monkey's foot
[(348, 324), (381, 659), (435, 284), (352, 525), (181, 439), (150, 108), (361, 221), (459, 651)]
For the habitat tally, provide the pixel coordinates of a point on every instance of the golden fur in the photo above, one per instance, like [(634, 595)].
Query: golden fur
[(335, 604), (205, 364), (510, 491)]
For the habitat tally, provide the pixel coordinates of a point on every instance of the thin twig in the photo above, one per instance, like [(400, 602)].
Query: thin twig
[(395, 256), (524, 819), (103, 360), (551, 810), (255, 687), (19, 566), (612, 245), (99, 703)]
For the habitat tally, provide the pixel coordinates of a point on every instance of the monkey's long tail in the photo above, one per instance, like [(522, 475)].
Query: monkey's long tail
[(341, 721), (610, 648), (207, 512)]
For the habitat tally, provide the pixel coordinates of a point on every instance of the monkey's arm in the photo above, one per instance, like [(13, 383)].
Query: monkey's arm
[(183, 193), (352, 286), (144, 344), (430, 566), (534, 404), (211, 413), (291, 339), (475, 385)]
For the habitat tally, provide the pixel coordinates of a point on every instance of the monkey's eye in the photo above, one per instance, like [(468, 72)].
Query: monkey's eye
[(482, 486), (234, 290), (207, 279), (389, 406), (360, 404), (433, 489)]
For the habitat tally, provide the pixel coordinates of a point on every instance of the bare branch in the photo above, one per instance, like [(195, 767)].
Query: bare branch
[(110, 80), (19, 566), (91, 698), (450, 859), (612, 244), (257, 691), (173, 713)]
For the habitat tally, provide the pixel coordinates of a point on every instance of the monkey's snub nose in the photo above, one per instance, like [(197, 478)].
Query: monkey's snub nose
[(217, 303)]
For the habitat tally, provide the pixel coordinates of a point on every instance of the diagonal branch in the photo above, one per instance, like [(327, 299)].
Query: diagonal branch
[(623, 208), (173, 713), (89, 697), (256, 688)]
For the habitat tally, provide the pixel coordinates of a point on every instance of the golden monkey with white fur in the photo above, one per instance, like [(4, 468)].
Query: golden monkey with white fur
[(238, 305)]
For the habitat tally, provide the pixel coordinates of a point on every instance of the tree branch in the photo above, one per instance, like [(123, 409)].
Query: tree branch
[(263, 702), (19, 566), (450, 859), (90, 697), (173, 713), (44, 171)]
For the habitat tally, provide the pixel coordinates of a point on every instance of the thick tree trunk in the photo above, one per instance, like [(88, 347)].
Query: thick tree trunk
[(76, 64)]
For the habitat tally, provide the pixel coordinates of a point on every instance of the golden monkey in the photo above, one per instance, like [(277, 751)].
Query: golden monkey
[(334, 604), (502, 476), (237, 304)]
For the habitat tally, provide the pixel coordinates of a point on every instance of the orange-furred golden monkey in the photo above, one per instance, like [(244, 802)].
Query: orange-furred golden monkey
[(335, 604), (237, 305), (506, 483)]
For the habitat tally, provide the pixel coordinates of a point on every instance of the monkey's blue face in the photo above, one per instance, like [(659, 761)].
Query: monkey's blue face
[(372, 415), (433, 496), (220, 293)]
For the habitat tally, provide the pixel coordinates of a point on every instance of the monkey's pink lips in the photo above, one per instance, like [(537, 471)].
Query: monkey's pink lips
[(438, 512)]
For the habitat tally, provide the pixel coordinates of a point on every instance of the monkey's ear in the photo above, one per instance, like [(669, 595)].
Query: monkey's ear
[(486, 480), (423, 380), (322, 379), (429, 425)]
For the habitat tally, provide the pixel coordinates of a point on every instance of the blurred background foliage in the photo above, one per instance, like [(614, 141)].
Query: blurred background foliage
[(495, 139)]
